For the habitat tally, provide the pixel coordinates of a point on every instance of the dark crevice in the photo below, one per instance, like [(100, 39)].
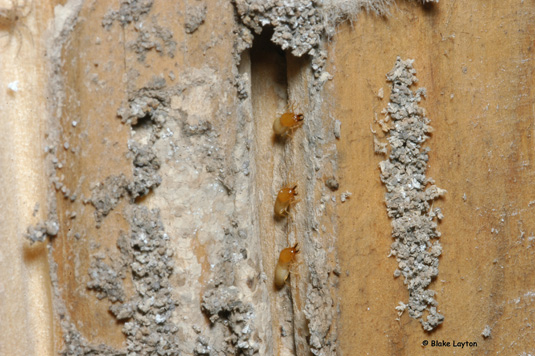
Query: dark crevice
[(266, 57), (269, 99)]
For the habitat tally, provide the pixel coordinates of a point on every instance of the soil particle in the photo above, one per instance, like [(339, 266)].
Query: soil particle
[(106, 279), (39, 232), (242, 83), (122, 311), (147, 104), (413, 227), (332, 183), (35, 209), (337, 129), (225, 304), (130, 11), (77, 345), (195, 16), (202, 347), (345, 196), (105, 196), (156, 38), (379, 147), (486, 331), (146, 165), (197, 129)]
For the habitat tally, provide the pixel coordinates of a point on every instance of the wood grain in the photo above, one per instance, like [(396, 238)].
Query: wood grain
[(476, 61)]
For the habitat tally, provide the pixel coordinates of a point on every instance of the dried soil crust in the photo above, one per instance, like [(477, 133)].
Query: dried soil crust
[(408, 196)]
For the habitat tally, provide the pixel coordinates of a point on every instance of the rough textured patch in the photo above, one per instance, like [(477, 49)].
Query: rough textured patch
[(106, 195), (409, 193), (337, 11), (146, 165), (319, 308), (150, 331), (226, 305), (301, 25), (41, 230), (77, 345), (148, 312), (151, 36), (130, 11), (195, 16), (297, 26), (106, 280)]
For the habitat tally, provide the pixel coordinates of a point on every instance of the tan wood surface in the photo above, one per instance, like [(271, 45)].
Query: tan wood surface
[(476, 61), (25, 294)]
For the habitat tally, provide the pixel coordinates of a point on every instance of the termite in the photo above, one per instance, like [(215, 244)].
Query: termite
[(287, 123), (285, 199), (282, 271)]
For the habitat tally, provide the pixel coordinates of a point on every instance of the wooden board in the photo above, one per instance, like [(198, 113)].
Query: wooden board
[(476, 61)]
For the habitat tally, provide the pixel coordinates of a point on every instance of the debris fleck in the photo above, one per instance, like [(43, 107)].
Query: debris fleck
[(35, 209), (337, 129), (13, 86), (41, 230), (332, 183), (345, 196), (379, 147), (195, 17), (486, 332)]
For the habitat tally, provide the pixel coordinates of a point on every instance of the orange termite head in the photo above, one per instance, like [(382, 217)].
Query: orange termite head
[(284, 125), (288, 254), (282, 271), (291, 120)]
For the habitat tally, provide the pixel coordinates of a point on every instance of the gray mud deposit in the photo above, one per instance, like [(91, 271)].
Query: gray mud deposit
[(409, 193)]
